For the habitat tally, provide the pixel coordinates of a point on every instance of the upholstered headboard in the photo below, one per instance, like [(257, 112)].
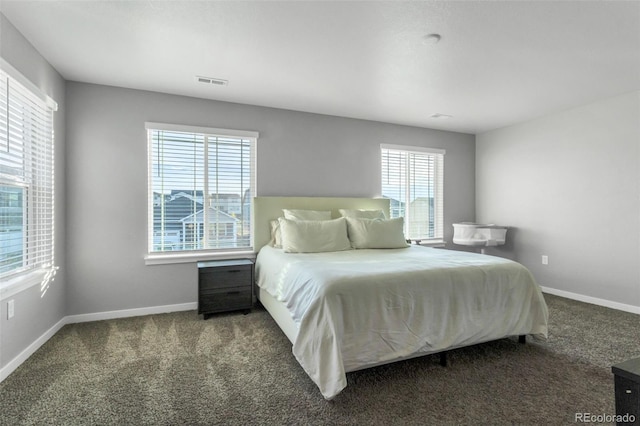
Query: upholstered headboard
[(266, 209)]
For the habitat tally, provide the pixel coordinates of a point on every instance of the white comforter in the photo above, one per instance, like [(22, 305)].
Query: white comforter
[(364, 307)]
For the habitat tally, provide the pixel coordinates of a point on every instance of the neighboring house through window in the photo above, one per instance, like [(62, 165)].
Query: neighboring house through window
[(412, 179), (201, 186), (26, 178)]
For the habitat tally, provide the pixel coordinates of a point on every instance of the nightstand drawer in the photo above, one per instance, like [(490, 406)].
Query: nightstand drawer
[(225, 277), (226, 299)]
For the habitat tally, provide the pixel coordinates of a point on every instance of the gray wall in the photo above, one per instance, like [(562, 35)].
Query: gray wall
[(299, 154), (569, 183), (35, 312)]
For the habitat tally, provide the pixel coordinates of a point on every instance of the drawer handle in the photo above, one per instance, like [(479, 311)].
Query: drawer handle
[(233, 292), (234, 270), (628, 391)]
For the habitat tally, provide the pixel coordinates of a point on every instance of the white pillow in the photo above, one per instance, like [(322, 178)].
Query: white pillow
[(314, 236), (362, 214), (307, 214), (376, 233)]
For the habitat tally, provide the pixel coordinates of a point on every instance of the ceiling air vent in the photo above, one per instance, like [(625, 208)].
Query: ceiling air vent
[(211, 80)]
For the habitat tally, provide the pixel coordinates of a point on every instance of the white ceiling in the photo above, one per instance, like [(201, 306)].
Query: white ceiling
[(498, 63)]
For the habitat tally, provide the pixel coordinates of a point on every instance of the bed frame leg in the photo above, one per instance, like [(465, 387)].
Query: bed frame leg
[(443, 359), (522, 338)]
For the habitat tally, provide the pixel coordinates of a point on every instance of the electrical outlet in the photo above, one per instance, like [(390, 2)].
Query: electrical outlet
[(545, 259), (10, 309)]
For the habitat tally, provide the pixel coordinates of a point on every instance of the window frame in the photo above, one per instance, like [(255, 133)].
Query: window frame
[(183, 256), (438, 188), (37, 180)]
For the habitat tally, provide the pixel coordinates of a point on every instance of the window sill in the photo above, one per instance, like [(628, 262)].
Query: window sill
[(170, 258), (23, 281)]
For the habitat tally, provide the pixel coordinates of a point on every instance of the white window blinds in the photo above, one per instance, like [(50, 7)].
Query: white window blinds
[(201, 187), (26, 178), (412, 178)]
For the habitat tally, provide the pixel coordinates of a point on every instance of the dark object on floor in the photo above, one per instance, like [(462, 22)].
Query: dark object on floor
[(627, 382)]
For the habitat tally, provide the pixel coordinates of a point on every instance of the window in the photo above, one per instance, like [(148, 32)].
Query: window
[(26, 176), (201, 188), (412, 178)]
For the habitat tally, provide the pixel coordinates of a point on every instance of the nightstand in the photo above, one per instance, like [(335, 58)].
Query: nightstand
[(225, 285), (627, 384)]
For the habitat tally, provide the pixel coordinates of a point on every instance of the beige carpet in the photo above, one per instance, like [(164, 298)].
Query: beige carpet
[(176, 369)]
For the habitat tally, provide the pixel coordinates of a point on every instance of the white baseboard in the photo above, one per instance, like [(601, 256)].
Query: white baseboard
[(25, 354), (72, 319), (99, 316), (592, 300)]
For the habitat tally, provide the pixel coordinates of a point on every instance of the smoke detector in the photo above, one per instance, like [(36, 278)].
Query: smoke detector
[(438, 116), (431, 39)]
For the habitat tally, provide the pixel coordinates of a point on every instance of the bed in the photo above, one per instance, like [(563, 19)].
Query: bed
[(352, 309)]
